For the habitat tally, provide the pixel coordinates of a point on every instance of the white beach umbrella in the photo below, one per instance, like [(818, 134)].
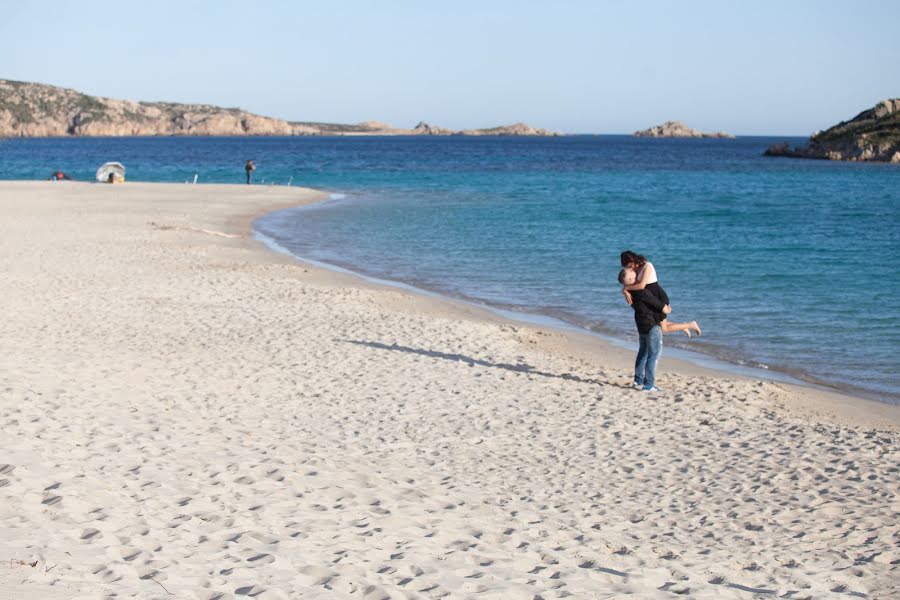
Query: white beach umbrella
[(111, 167)]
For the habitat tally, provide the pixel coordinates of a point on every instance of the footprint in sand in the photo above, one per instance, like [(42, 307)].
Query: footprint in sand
[(261, 559), (250, 590), (107, 574), (262, 537), (129, 554)]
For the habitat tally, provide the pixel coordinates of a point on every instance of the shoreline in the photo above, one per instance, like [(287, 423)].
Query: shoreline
[(523, 316), (185, 408), (858, 406), (708, 361)]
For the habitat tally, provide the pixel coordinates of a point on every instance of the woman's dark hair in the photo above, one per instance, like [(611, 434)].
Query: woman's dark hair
[(628, 257)]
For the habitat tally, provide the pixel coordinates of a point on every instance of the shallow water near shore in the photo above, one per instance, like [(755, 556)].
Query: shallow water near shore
[(787, 264)]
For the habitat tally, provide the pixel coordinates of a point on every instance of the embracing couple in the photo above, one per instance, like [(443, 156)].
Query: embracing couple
[(651, 309)]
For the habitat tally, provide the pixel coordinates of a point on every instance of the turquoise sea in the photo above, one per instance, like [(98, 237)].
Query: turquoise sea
[(789, 265)]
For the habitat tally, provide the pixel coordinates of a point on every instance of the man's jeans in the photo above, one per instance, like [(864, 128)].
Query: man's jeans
[(647, 357)]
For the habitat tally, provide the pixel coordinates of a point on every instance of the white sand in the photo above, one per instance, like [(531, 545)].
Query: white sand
[(185, 414)]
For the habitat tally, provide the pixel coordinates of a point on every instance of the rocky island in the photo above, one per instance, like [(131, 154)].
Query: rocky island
[(677, 129), (872, 135), (40, 110)]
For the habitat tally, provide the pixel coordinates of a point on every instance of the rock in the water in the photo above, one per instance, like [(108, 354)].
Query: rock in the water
[(424, 128), (514, 129), (678, 129)]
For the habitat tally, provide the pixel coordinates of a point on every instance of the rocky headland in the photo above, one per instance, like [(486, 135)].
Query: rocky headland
[(677, 129), (514, 129), (872, 135), (40, 110)]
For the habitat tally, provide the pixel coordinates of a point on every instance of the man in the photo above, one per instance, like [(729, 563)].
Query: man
[(649, 310), (651, 305), (249, 168)]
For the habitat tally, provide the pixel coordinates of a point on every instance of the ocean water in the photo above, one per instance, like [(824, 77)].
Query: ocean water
[(788, 265)]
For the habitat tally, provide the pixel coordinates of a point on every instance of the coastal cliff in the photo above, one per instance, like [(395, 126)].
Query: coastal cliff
[(872, 135), (679, 130), (40, 110)]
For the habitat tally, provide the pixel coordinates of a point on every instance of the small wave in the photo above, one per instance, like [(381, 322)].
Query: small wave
[(271, 243)]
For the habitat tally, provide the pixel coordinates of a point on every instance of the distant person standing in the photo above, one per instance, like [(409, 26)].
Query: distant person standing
[(249, 168)]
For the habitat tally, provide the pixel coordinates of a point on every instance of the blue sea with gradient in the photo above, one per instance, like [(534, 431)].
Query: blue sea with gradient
[(789, 265)]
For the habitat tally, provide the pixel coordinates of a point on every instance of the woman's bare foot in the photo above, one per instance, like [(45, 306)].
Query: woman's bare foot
[(687, 332), (696, 328)]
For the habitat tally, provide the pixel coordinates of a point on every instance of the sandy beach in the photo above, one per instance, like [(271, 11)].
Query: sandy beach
[(187, 414)]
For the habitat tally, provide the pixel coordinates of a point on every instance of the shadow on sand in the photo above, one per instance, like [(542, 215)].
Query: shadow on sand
[(516, 368)]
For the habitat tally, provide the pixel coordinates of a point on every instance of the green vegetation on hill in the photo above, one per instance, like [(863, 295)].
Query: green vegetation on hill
[(878, 130), (872, 135), (333, 127), (12, 103)]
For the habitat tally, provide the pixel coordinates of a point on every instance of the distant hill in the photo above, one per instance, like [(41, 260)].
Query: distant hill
[(872, 135), (40, 110), (679, 130)]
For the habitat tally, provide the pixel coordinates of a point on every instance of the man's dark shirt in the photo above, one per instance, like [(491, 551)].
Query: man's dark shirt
[(648, 304)]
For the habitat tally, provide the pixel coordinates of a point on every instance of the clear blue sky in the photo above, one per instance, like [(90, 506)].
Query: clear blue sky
[(577, 66)]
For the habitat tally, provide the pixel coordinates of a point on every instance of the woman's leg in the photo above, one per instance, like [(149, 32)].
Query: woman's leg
[(687, 328)]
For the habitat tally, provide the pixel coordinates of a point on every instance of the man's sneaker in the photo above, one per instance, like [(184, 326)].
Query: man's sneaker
[(637, 386), (652, 388)]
